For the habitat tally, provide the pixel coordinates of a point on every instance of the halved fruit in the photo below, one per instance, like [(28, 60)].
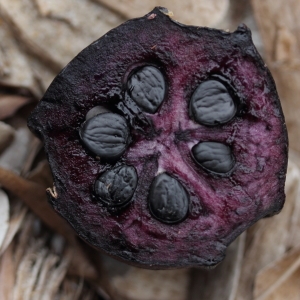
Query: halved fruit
[(165, 141)]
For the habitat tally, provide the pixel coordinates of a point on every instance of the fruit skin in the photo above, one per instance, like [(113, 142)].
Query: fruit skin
[(98, 75)]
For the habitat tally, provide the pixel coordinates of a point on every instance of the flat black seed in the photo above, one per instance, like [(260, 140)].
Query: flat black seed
[(106, 135), (168, 200), (96, 111), (116, 187), (213, 156), (147, 88), (211, 104)]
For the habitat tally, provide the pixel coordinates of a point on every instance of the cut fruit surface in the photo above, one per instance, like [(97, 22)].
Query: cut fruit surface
[(165, 141)]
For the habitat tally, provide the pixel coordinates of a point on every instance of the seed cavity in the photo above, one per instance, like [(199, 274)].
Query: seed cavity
[(147, 88), (213, 156), (211, 104), (168, 200), (116, 187), (106, 135)]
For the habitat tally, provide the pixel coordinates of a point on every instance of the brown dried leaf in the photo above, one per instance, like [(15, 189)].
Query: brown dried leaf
[(15, 70), (279, 24), (61, 28), (193, 12), (207, 283), (122, 281), (85, 269), (140, 284), (6, 135), (41, 174), (9, 104), (19, 154), (271, 278)]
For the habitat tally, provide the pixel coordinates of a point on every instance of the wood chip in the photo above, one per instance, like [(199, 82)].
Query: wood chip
[(192, 12)]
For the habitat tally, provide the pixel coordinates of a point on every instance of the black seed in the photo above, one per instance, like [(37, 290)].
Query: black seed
[(211, 104), (213, 156), (168, 200), (147, 88), (116, 186), (106, 135), (96, 111)]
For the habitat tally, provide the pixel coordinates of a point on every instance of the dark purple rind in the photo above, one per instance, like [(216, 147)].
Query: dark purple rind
[(222, 207)]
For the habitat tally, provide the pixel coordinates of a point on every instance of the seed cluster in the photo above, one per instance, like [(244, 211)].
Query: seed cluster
[(107, 135)]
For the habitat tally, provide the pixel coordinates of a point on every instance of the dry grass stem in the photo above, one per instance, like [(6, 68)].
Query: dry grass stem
[(18, 212)]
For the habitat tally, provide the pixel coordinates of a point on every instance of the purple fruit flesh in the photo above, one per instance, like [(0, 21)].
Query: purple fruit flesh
[(165, 142)]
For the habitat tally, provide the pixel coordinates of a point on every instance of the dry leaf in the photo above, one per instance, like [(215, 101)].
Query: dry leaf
[(58, 38), (192, 12), (6, 135), (30, 271), (16, 154), (207, 283), (272, 278), (4, 216), (44, 36), (41, 174), (15, 70), (9, 104), (279, 24), (139, 284), (124, 282)]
